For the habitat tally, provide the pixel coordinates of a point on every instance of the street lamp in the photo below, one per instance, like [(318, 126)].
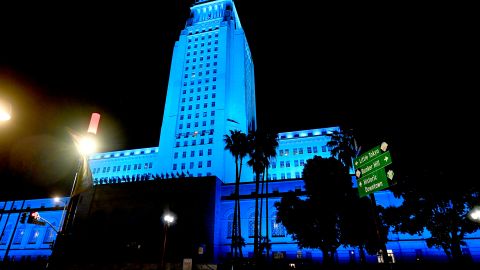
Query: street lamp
[(168, 219), (85, 146), (5, 111), (474, 214)]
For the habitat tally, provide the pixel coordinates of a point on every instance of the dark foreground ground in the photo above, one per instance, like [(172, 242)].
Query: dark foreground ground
[(132, 266)]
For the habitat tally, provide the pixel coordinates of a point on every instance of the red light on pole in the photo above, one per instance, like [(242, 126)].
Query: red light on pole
[(94, 120)]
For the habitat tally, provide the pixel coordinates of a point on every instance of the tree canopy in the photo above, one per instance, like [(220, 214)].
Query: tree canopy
[(315, 221)]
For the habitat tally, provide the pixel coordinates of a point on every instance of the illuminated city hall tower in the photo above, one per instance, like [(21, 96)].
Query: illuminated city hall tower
[(211, 91)]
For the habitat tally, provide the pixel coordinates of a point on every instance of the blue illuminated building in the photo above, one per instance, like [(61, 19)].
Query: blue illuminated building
[(211, 91)]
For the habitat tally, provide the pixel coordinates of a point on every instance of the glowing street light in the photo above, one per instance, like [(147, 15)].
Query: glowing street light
[(86, 145), (5, 111), (168, 219), (474, 214)]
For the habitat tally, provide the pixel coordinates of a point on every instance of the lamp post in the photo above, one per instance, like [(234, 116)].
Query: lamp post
[(85, 146), (167, 220)]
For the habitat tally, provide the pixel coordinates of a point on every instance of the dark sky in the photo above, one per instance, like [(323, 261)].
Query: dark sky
[(401, 73)]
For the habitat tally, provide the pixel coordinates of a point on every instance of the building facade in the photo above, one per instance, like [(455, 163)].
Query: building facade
[(211, 91)]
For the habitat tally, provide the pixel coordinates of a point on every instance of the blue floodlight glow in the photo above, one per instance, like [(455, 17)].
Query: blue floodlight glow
[(211, 91)]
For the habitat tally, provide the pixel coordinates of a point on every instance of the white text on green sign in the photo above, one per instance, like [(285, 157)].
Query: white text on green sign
[(372, 153), (375, 164), (373, 182)]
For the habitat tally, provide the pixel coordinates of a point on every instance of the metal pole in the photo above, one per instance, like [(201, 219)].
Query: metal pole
[(60, 224), (64, 220), (383, 246), (48, 222), (162, 263), (70, 200)]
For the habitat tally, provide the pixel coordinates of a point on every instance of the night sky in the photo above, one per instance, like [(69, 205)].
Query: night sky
[(393, 72)]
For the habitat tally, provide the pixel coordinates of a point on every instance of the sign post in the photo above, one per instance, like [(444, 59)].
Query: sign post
[(371, 176)]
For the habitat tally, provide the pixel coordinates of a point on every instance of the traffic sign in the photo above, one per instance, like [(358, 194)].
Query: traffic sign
[(369, 155), (377, 163), (373, 182), (370, 170)]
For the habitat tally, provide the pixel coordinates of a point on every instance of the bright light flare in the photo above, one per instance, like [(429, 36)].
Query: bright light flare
[(87, 145), (56, 199), (168, 218), (5, 111), (474, 214)]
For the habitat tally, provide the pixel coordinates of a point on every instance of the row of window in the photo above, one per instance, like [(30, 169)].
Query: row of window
[(192, 153), (200, 66), (214, 95), (202, 44), (297, 135), (33, 237), (203, 36), (200, 73), (283, 164), (283, 176), (192, 165), (127, 167), (194, 134), (299, 151), (199, 81), (215, 49), (276, 229), (195, 124), (197, 106), (197, 115), (194, 60), (194, 142), (199, 89)]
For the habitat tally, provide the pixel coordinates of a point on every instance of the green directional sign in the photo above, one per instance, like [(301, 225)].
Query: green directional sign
[(373, 182), (370, 170), (379, 162), (371, 154)]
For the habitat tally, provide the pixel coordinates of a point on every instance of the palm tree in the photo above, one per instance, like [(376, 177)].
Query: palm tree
[(343, 146), (262, 148), (271, 144), (237, 144)]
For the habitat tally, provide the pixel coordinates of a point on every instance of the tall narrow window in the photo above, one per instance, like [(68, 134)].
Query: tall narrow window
[(17, 239), (278, 230), (34, 236), (49, 234), (6, 235), (229, 226), (251, 225)]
